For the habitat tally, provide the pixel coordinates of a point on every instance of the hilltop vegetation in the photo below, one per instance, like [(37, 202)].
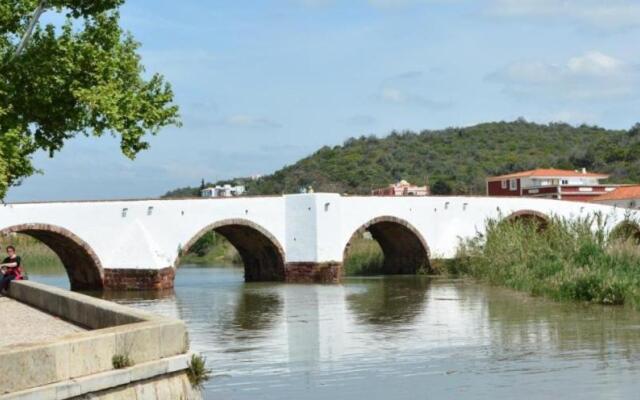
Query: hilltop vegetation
[(454, 160)]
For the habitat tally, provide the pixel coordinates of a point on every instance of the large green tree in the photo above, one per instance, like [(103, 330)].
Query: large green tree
[(82, 76)]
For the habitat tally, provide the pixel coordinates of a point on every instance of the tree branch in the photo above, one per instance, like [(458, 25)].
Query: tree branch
[(29, 32)]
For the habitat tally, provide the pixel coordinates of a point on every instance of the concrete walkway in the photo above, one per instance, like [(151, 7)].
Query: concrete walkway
[(22, 324)]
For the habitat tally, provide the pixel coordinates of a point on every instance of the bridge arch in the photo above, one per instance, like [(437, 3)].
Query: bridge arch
[(626, 230), (404, 248), (83, 266), (260, 251), (537, 217)]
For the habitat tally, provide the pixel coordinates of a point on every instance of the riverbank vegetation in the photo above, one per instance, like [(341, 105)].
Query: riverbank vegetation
[(36, 256), (564, 260), (454, 160), (364, 258), (211, 249)]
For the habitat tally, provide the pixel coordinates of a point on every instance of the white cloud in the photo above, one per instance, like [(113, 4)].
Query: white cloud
[(409, 88), (574, 117), (393, 95), (248, 121), (360, 120), (596, 64), (609, 14), (593, 75), (398, 96)]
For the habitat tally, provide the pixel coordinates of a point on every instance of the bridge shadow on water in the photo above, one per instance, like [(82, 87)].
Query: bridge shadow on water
[(257, 308), (395, 300)]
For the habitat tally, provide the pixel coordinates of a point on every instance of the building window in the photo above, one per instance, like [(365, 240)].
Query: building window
[(513, 184), (503, 184), (564, 182)]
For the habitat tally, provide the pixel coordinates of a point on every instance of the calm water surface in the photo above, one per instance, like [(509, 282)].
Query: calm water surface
[(396, 338)]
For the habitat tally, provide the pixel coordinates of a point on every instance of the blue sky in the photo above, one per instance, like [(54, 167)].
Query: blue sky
[(263, 83)]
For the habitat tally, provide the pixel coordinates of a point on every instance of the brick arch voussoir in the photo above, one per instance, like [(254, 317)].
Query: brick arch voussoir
[(424, 247), (628, 227), (41, 230), (528, 214), (223, 226)]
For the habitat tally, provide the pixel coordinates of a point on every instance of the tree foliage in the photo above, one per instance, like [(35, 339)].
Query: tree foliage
[(82, 77), (456, 160)]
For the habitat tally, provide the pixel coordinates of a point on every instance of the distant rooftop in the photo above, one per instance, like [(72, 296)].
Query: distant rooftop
[(621, 193), (550, 173)]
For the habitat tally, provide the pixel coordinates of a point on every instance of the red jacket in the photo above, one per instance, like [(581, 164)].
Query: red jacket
[(15, 271)]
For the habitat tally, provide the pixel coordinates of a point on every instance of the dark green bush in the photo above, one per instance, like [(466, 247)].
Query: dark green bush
[(198, 372), (121, 361)]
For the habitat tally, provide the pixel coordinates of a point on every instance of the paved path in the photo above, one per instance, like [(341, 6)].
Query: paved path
[(21, 324)]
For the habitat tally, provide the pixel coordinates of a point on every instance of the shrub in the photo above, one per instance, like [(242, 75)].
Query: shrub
[(365, 258), (567, 260), (121, 361), (198, 372)]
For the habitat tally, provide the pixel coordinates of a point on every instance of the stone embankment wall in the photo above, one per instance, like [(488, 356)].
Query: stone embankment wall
[(81, 364), (169, 387)]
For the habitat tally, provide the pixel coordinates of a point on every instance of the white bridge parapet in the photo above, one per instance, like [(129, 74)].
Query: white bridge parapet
[(138, 243)]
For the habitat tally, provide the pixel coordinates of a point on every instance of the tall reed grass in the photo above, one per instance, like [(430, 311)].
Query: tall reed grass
[(565, 260), (364, 257)]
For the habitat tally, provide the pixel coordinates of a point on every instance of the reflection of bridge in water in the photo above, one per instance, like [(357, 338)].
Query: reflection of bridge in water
[(296, 238)]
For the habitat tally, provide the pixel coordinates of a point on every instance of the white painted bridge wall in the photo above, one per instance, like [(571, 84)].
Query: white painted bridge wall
[(309, 227)]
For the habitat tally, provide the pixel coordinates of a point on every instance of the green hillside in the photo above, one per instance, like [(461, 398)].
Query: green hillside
[(454, 160)]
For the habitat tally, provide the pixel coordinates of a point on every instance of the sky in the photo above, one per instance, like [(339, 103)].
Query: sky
[(261, 84)]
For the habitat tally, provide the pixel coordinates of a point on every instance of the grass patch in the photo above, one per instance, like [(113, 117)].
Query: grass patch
[(212, 249), (198, 372), (365, 257), (120, 361), (578, 260)]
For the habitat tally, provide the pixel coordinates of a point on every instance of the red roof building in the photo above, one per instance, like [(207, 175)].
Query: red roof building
[(550, 183), (623, 196)]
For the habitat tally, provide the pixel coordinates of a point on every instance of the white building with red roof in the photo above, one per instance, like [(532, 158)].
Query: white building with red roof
[(623, 196), (550, 183)]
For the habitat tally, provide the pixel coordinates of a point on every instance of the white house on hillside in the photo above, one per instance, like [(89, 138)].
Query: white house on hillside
[(223, 191)]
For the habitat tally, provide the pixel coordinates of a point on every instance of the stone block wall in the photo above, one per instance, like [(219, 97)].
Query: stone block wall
[(310, 272), (169, 387), (139, 279)]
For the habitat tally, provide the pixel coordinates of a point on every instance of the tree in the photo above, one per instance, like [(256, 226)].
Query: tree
[(83, 77), (441, 187), (203, 245)]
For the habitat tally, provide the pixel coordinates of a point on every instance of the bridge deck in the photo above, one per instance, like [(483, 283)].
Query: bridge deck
[(22, 324)]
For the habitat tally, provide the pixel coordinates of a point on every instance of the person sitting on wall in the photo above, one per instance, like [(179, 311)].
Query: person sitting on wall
[(10, 268)]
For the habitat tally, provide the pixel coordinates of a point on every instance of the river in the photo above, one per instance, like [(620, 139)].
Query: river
[(395, 338)]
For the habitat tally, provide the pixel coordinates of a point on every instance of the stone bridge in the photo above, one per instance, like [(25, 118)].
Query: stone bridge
[(137, 244)]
